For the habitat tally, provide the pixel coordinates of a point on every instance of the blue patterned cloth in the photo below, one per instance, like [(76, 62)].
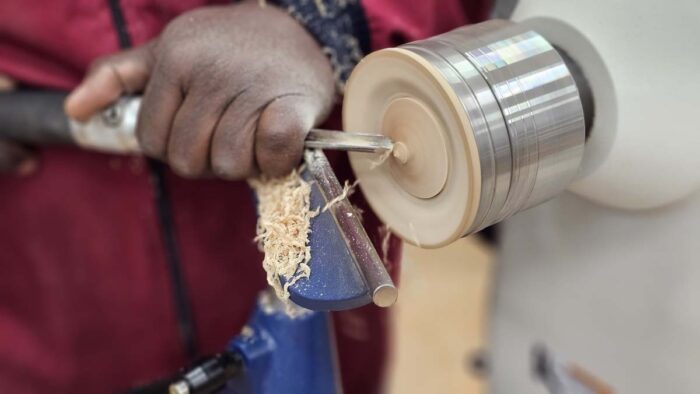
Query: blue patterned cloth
[(340, 27)]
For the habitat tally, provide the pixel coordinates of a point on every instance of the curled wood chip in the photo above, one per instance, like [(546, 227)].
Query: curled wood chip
[(282, 232)]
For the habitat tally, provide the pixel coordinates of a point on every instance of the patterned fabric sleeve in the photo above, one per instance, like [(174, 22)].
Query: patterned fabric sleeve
[(339, 26)]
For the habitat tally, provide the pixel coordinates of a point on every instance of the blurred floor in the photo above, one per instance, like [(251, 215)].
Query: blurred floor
[(439, 318)]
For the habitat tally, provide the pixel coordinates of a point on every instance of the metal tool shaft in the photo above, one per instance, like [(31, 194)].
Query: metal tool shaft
[(356, 142)]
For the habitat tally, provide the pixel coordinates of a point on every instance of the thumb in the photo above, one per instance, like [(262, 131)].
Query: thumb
[(109, 78), (282, 127)]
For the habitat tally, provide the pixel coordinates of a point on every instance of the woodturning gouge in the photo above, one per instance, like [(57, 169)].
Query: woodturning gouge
[(37, 117)]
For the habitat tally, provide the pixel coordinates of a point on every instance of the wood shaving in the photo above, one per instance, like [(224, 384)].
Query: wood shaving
[(348, 189), (282, 232), (359, 211), (385, 245), (380, 160)]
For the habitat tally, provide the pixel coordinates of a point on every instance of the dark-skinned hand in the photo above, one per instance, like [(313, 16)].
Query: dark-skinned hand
[(230, 90)]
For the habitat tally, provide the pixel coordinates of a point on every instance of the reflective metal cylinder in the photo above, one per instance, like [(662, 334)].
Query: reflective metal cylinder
[(524, 109)]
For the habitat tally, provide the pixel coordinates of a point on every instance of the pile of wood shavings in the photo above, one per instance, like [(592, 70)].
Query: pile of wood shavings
[(282, 232)]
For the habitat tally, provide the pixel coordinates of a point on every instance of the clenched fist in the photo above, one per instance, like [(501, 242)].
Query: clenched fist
[(231, 90)]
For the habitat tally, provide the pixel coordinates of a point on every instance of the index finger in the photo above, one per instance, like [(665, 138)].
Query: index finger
[(110, 78)]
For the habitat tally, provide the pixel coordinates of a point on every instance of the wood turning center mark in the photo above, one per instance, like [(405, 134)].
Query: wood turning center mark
[(401, 152)]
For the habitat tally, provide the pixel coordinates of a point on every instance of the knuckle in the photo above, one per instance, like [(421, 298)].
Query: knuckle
[(222, 167), (184, 161), (102, 64), (171, 70), (149, 146), (185, 166), (177, 40), (229, 169), (174, 28), (280, 150)]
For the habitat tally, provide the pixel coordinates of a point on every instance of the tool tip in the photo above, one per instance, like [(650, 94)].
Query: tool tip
[(385, 295)]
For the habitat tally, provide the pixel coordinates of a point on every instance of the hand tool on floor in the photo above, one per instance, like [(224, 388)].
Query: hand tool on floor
[(347, 270)]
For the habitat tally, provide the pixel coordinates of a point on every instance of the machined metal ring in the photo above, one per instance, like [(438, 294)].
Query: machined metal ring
[(524, 108)]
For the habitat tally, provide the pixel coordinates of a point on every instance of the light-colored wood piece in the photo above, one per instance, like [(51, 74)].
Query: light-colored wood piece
[(412, 124), (432, 198)]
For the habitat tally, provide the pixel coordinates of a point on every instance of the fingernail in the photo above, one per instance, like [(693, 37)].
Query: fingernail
[(27, 167)]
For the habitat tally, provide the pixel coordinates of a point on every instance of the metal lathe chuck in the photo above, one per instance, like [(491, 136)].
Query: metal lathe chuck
[(490, 122)]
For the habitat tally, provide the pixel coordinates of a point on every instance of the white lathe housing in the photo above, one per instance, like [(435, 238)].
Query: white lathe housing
[(608, 277)]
